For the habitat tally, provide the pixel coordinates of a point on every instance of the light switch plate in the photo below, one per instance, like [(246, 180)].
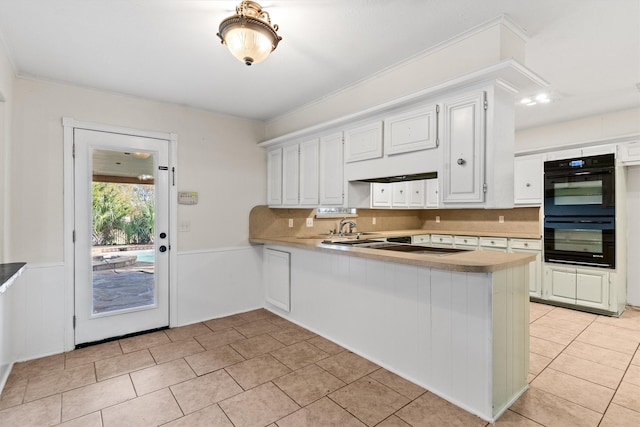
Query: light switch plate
[(309, 222), (290, 222)]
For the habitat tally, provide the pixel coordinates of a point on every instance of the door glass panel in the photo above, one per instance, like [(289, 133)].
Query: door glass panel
[(123, 207), (587, 241), (578, 193)]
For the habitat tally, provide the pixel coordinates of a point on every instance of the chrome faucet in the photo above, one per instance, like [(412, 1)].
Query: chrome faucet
[(344, 222)]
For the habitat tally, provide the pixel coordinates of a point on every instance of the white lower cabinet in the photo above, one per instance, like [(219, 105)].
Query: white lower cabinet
[(442, 240), (534, 247), (496, 244), (578, 286), (277, 275), (466, 242)]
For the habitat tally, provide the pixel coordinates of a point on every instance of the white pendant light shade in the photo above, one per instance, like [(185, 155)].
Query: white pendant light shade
[(249, 34)]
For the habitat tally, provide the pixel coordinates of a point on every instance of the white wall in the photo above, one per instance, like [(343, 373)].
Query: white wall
[(633, 236)]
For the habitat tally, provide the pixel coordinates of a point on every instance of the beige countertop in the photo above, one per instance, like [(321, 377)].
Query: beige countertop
[(471, 261)]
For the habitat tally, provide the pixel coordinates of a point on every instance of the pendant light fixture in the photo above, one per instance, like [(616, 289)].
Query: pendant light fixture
[(249, 34)]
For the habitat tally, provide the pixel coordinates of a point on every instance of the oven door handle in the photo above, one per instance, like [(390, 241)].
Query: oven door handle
[(581, 173), (581, 221)]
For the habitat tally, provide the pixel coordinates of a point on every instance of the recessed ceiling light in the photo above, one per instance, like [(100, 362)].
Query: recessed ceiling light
[(525, 101), (542, 97)]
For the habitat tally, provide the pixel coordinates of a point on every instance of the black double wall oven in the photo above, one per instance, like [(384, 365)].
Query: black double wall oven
[(579, 211)]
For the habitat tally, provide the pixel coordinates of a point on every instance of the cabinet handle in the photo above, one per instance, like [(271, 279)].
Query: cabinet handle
[(528, 185), (401, 191), (493, 243), (461, 161), (382, 190), (526, 244), (465, 240), (417, 192)]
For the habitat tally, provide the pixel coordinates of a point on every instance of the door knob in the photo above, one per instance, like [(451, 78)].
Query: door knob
[(162, 248), (163, 235), (461, 161)]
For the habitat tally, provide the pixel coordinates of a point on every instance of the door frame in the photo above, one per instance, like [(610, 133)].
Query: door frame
[(69, 124)]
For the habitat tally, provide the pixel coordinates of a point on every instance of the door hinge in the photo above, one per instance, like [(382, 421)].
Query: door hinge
[(73, 150), (484, 187), (73, 236), (486, 103), (74, 321), (163, 168), (173, 176), (437, 126)]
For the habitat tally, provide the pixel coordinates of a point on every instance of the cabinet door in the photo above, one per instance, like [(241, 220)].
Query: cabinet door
[(399, 195), (592, 288), (562, 284), (274, 177), (309, 190), (410, 131), (528, 180), (331, 170), (463, 149), (277, 275), (290, 175), (416, 194), (380, 195), (363, 143), (535, 272), (431, 192)]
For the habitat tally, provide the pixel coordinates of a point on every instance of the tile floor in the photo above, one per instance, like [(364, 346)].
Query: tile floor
[(257, 369)]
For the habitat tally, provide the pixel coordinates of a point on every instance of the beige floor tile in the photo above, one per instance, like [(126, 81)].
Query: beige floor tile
[(13, 394), (347, 366), (587, 370), (397, 383), (258, 407), (222, 323), (535, 315), (150, 410), (43, 412), (189, 331), (258, 370), (572, 315), (94, 419), (619, 416), (46, 385), (609, 342), (292, 335), (636, 358), (576, 390), (530, 378), (91, 398), (326, 345), (123, 364), (212, 360), (324, 412), (597, 354), (211, 416), (630, 319), (393, 421), (151, 379), (91, 354), (553, 411), (545, 308), (144, 341), (282, 323), (628, 395), (252, 347), (255, 328), (369, 400), (36, 367), (175, 350), (562, 324), (308, 384), (259, 314), (615, 331), (545, 348), (299, 355), (203, 391), (219, 339), (513, 419), (551, 334), (633, 375), (431, 410), (537, 363)]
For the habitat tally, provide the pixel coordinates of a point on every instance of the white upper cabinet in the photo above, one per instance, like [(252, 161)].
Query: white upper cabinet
[(290, 175), (381, 195), (463, 147), (528, 176), (363, 143), (411, 131), (415, 194), (431, 193), (399, 195), (274, 177), (332, 170), (309, 163)]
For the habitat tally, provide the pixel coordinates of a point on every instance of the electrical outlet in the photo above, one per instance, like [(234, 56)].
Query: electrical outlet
[(290, 222), (309, 222), (501, 219), (373, 220), (437, 219)]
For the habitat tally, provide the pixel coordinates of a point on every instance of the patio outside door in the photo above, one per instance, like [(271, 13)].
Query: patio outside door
[(121, 234)]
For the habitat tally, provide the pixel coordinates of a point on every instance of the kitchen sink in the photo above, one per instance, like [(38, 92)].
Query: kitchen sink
[(339, 236), (396, 247)]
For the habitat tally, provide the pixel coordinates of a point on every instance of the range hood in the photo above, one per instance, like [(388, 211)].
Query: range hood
[(400, 178)]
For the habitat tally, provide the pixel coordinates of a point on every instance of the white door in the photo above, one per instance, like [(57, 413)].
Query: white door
[(121, 226)]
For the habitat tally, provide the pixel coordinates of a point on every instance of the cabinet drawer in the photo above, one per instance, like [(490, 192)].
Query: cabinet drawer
[(531, 244), (422, 239), (442, 239), (465, 240), (493, 242)]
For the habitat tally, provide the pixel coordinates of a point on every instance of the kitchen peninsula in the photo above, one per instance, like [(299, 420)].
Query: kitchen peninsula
[(457, 325)]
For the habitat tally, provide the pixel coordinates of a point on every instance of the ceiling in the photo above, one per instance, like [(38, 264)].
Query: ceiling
[(167, 50)]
